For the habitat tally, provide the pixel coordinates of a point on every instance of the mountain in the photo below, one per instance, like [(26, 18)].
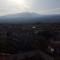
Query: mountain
[(27, 17), (22, 15), (52, 18), (19, 18)]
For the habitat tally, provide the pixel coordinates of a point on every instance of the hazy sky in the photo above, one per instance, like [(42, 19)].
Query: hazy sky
[(38, 6)]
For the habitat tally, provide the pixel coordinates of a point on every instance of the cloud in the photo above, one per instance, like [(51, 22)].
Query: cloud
[(38, 6), (53, 11)]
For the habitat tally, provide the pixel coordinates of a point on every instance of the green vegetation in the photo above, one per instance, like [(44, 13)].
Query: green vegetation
[(6, 46)]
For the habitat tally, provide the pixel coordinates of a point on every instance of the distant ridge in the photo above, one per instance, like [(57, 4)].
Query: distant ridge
[(28, 17), (23, 14)]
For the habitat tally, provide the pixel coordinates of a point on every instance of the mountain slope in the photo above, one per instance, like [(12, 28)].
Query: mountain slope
[(29, 18), (19, 18)]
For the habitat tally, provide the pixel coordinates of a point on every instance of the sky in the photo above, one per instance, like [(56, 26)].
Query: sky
[(38, 6)]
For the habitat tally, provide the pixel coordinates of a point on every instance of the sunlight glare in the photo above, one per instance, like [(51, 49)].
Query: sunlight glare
[(20, 4)]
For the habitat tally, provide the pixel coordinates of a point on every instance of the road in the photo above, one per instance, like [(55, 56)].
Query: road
[(27, 56), (31, 54)]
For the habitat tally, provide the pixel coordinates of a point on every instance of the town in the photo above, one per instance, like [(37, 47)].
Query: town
[(22, 39)]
